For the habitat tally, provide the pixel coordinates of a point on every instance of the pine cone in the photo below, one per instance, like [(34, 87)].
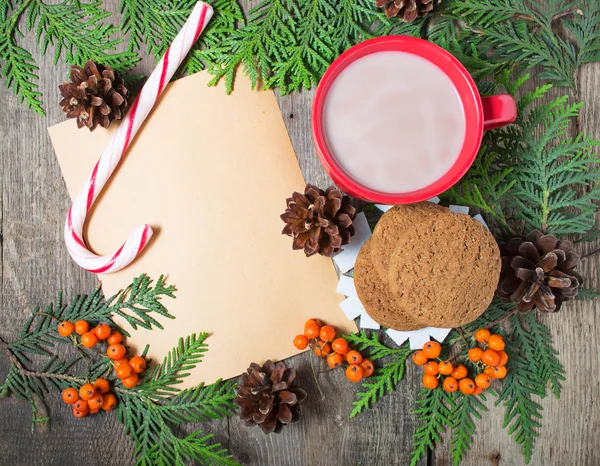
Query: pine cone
[(538, 272), (266, 397), (95, 95), (408, 10), (319, 221)]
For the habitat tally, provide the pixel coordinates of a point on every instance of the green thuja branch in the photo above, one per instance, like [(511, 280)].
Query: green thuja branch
[(385, 379), (149, 410), (519, 390), (523, 33), (434, 412), (75, 29), (466, 408)]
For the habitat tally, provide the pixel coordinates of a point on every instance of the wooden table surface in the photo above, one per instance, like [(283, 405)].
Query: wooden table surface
[(35, 264)]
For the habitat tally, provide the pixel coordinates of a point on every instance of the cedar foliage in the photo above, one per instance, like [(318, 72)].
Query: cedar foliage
[(288, 44), (148, 411)]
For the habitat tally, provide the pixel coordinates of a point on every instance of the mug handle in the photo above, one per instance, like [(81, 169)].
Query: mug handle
[(498, 110)]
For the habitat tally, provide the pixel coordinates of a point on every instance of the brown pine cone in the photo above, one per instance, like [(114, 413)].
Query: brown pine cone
[(319, 221), (538, 272), (266, 397), (407, 10), (95, 96)]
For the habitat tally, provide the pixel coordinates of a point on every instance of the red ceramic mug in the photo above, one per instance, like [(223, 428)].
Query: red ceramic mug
[(480, 114)]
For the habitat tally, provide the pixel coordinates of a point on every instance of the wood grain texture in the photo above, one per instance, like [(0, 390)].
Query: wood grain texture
[(35, 264)]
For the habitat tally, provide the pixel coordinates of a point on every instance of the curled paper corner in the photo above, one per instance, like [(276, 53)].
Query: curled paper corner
[(346, 259), (419, 337)]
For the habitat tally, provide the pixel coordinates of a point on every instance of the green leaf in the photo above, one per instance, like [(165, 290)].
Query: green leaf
[(434, 413)]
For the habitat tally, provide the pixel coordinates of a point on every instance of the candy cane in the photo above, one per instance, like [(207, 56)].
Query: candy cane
[(117, 146)]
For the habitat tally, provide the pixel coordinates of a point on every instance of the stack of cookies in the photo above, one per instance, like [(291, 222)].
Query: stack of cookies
[(427, 266)]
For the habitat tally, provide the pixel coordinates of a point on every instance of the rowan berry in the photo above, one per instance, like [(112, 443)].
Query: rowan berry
[(466, 386), (431, 368), (500, 372), (322, 349), (327, 333), (354, 373), (445, 367), (116, 352), (109, 401), (70, 395), (490, 358), (475, 354), (102, 331), (138, 364), (477, 390), (430, 381), (503, 358), (482, 335), (311, 330), (340, 345), (130, 381), (354, 357), (489, 371), (87, 391), (496, 342), (301, 342), (65, 328), (101, 385), (123, 371), (94, 411), (89, 339), (80, 414), (114, 338), (95, 402), (450, 384), (459, 372), (483, 380), (367, 367), (314, 321), (334, 360), (419, 358), (81, 405), (432, 349), (81, 327)]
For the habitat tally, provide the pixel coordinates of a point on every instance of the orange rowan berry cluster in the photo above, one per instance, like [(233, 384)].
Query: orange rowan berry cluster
[(127, 370), (322, 340), (90, 398), (491, 358)]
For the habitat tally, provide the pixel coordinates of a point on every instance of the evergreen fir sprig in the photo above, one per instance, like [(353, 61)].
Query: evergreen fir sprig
[(76, 29), (149, 410)]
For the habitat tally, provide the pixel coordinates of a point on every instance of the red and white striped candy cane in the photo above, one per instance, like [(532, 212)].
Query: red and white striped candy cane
[(118, 145)]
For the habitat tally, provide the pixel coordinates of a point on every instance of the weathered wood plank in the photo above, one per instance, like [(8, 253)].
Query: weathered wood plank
[(35, 264)]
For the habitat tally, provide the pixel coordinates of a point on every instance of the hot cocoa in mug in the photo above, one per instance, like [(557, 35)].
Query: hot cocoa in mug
[(398, 120)]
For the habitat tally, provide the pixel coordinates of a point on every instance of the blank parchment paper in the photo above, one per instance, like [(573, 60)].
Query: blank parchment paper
[(210, 173)]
